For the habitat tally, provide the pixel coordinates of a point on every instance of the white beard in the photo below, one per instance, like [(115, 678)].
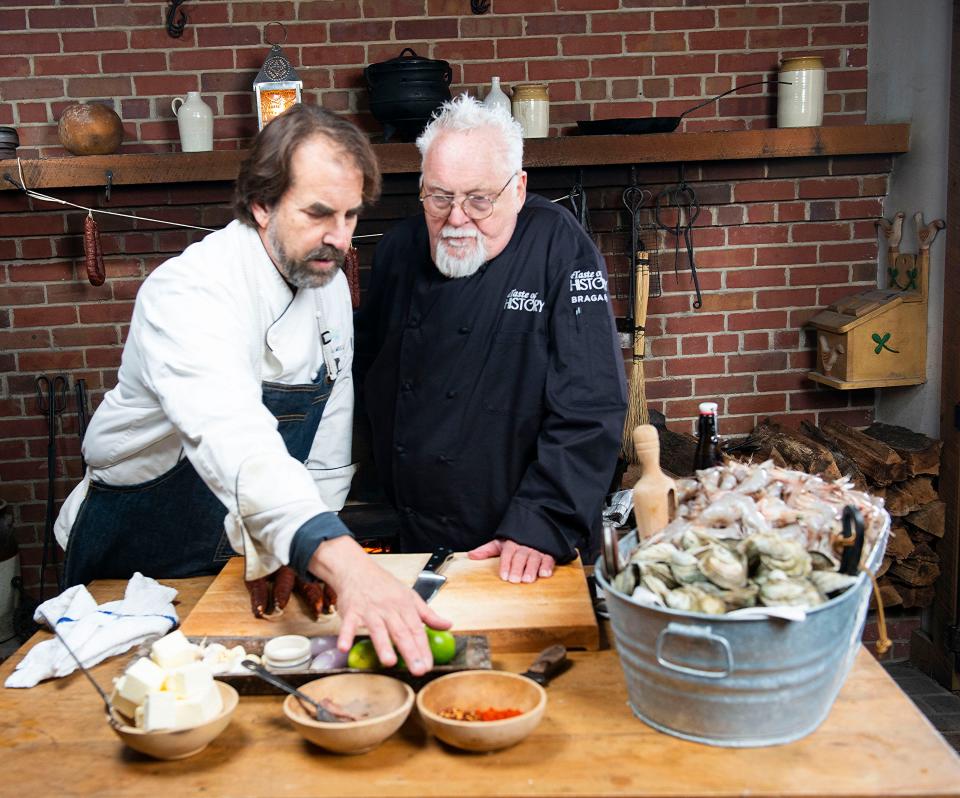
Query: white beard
[(465, 265)]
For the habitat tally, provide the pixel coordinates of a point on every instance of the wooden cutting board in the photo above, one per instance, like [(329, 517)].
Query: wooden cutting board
[(524, 617)]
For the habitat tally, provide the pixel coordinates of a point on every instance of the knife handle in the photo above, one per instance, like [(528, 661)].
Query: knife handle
[(550, 662), (440, 557)]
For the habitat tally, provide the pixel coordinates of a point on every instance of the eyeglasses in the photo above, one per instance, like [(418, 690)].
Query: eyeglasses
[(476, 207)]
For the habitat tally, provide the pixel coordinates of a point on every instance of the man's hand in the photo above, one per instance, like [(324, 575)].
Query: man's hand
[(517, 563), (369, 596)]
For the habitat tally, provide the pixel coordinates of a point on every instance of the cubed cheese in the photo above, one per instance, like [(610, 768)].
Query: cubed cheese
[(190, 681), (139, 679), (173, 650), (197, 710), (159, 711), (123, 705)]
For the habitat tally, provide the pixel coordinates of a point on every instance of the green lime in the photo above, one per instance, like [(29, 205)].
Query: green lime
[(443, 646), (363, 656)]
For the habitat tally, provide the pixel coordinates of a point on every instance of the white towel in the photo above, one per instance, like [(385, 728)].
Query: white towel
[(96, 632)]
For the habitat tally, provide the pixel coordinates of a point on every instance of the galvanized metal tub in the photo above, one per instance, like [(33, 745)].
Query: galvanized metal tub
[(737, 682)]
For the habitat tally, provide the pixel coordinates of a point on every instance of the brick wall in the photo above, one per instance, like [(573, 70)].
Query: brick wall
[(774, 241), (601, 58)]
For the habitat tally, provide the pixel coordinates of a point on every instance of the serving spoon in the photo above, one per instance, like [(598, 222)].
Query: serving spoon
[(322, 713), (106, 699)]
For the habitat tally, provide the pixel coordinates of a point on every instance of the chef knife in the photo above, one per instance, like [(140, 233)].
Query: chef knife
[(430, 579)]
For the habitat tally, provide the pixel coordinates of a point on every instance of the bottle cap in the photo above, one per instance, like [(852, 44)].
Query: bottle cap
[(708, 408)]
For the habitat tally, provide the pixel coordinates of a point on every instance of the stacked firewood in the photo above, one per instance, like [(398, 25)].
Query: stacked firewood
[(887, 461)]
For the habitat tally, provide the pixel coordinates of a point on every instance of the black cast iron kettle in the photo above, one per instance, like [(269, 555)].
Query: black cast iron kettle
[(405, 91)]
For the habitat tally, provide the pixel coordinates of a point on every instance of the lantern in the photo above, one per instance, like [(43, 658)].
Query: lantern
[(277, 85)]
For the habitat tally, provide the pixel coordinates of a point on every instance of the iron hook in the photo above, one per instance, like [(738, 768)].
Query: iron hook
[(175, 28), (109, 176)]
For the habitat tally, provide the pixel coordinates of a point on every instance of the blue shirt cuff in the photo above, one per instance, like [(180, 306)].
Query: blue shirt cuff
[(324, 526)]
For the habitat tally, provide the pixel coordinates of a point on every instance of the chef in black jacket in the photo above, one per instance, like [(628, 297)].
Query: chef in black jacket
[(488, 359)]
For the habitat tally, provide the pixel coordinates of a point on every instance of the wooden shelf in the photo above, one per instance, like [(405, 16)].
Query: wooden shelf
[(395, 158)]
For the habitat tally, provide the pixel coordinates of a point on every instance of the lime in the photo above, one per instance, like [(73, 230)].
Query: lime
[(363, 656), (443, 646)]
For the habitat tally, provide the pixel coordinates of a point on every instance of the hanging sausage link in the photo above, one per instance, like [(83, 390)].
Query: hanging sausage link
[(93, 256)]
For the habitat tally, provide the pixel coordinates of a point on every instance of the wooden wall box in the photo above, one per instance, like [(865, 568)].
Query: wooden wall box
[(873, 339)]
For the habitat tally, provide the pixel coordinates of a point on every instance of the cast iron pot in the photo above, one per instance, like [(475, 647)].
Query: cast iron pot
[(406, 90)]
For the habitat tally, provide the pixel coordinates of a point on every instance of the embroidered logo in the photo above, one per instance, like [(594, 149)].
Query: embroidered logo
[(524, 301), (587, 286)]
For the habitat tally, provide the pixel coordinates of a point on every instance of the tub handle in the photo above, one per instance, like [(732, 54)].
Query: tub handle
[(701, 633)]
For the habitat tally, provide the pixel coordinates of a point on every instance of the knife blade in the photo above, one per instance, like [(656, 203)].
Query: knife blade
[(430, 580)]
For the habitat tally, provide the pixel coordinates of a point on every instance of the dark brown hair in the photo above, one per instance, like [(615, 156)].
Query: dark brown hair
[(266, 175)]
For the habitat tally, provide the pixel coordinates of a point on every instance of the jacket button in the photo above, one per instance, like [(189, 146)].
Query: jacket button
[(451, 394), (463, 330)]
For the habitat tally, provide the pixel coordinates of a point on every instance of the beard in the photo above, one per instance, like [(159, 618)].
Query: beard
[(460, 265), (299, 271)]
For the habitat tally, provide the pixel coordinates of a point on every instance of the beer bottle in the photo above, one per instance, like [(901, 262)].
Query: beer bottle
[(708, 442)]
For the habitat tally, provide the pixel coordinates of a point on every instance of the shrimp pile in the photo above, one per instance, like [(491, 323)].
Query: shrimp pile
[(750, 534)]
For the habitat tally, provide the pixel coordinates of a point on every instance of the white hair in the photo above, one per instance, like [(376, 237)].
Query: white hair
[(467, 113)]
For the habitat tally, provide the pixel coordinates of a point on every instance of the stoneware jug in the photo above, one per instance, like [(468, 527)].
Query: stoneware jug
[(195, 120)]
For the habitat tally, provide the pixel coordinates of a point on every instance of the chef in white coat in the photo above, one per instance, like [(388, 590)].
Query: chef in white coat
[(229, 428)]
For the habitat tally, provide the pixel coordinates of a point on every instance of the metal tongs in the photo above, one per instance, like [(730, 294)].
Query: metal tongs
[(683, 201)]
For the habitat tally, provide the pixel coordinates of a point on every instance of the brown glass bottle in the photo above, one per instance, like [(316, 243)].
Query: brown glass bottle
[(708, 442)]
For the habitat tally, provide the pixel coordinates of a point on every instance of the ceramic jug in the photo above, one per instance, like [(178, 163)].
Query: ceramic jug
[(195, 120), (800, 104), (496, 97), (531, 108)]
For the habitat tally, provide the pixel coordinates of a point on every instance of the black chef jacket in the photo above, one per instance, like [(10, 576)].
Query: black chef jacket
[(496, 401)]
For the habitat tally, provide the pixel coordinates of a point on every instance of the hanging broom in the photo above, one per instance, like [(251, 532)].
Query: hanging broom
[(637, 398)]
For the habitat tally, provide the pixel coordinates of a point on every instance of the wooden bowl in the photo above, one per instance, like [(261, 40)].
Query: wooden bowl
[(178, 743), (475, 690), (381, 702)]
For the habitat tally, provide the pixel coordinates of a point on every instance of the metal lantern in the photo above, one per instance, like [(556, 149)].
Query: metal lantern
[(277, 85)]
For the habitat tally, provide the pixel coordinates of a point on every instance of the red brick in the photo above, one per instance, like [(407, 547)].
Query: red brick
[(758, 234), (429, 29), (101, 357), (715, 258), (40, 272), (20, 295), (786, 339), (758, 17), (848, 252), (263, 11), (727, 300), (620, 22), (91, 41), (838, 34), (684, 64), (113, 86), (756, 320), (666, 389), (134, 62), (725, 343), (330, 9), (719, 40), (723, 386), (768, 361), (558, 68), (766, 190), (131, 17), (821, 232), (15, 340), (684, 325), (552, 24), (695, 344), (527, 47), (819, 275), (13, 20), (654, 43), (625, 89), (202, 60), (65, 65), (747, 63), (61, 18), (87, 335), (590, 45), (787, 299), (106, 312), (683, 366), (771, 256), (758, 403), (43, 316), (36, 88), (684, 20), (829, 187), (787, 381), (50, 361), (777, 38), (14, 67), (791, 211), (661, 347)]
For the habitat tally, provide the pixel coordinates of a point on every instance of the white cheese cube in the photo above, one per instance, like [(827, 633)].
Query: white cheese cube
[(199, 709), (139, 679), (123, 705), (159, 711), (190, 681), (174, 650)]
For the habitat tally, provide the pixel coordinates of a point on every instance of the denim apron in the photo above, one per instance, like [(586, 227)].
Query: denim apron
[(173, 525)]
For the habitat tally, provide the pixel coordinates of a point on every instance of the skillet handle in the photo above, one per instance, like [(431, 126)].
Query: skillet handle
[(731, 91)]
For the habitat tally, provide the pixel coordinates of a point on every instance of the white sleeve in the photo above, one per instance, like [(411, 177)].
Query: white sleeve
[(200, 347)]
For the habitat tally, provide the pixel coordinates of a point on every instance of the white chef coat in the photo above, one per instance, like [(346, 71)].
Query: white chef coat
[(208, 327)]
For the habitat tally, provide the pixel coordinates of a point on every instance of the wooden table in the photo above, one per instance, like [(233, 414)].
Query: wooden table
[(55, 742)]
